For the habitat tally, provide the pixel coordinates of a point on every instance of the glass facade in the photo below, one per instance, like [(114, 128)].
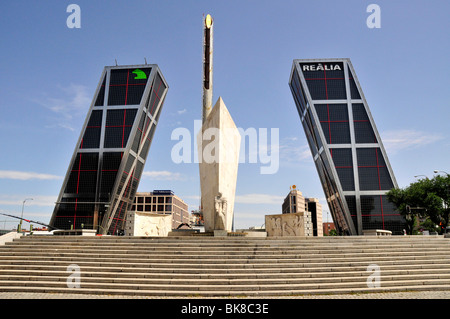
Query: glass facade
[(350, 159), (109, 159)]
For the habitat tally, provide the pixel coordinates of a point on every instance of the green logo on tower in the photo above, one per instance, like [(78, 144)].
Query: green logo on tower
[(140, 75)]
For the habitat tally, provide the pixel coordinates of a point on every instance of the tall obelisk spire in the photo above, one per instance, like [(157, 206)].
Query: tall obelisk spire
[(208, 37), (219, 153)]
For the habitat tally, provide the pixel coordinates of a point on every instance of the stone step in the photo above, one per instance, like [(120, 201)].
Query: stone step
[(206, 294), (225, 264), (226, 243), (218, 245), (179, 256), (158, 247), (152, 247), (219, 254), (237, 238), (223, 259), (208, 266), (134, 275), (36, 279), (209, 239), (137, 286), (244, 272), (223, 249), (5, 255), (223, 270)]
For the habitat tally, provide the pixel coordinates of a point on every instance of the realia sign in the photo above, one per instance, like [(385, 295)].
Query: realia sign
[(321, 67)]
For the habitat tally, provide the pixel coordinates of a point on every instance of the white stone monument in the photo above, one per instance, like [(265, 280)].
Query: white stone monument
[(151, 224), (219, 142), (293, 224)]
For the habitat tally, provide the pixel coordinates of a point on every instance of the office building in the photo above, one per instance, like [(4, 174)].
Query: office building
[(109, 157), (296, 203), (163, 202), (312, 205), (327, 228), (348, 153)]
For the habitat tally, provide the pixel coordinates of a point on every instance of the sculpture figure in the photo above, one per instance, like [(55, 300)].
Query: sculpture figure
[(220, 205)]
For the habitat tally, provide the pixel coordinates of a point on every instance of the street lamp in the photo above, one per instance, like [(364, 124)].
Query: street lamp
[(447, 191), (21, 216)]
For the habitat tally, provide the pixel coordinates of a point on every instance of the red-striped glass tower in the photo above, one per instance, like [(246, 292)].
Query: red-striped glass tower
[(347, 150), (109, 157)]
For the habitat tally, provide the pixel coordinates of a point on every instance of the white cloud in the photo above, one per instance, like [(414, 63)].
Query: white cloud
[(61, 125), (397, 140), (259, 199), (75, 102), (182, 111), (164, 175), (292, 151), (17, 175), (37, 200), (194, 197)]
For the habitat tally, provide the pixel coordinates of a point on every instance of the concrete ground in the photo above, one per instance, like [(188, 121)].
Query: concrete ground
[(386, 295)]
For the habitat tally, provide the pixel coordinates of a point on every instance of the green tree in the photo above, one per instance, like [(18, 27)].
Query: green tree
[(428, 224), (332, 232), (427, 197), (442, 192), (402, 199)]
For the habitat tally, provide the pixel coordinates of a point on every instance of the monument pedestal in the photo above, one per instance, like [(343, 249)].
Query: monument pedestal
[(293, 224), (220, 233)]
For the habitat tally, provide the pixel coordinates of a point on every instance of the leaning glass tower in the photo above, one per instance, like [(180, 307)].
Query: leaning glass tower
[(347, 150), (109, 157)]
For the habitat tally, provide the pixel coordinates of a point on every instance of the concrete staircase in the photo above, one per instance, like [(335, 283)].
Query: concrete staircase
[(233, 266)]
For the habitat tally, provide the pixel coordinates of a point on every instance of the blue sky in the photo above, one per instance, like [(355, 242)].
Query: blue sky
[(49, 74)]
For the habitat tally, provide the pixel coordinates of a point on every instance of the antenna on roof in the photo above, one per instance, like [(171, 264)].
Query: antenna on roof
[(145, 60), (116, 61)]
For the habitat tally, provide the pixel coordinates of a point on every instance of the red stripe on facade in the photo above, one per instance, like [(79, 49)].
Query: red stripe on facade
[(377, 166), (379, 185), (156, 93), (79, 170), (128, 84), (126, 90), (329, 122), (328, 107), (123, 126), (73, 215), (325, 78), (333, 121), (378, 169), (108, 126), (326, 87)]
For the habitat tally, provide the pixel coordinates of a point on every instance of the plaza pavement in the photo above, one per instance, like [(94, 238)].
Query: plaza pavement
[(437, 294)]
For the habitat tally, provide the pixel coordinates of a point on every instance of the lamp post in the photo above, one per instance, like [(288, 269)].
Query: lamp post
[(446, 206), (21, 216)]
